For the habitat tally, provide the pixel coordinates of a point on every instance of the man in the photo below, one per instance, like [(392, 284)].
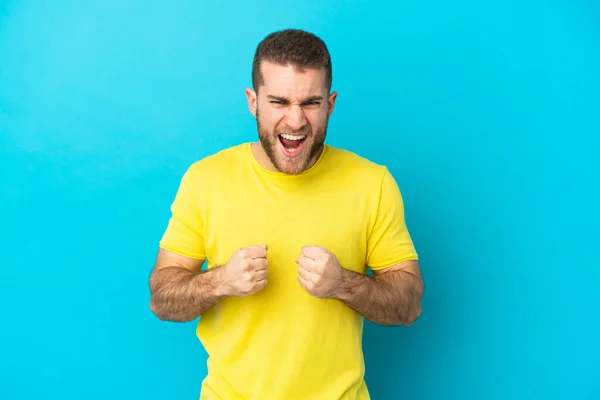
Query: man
[(288, 227)]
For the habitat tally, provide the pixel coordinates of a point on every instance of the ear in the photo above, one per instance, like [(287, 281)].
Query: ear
[(252, 100), (331, 102)]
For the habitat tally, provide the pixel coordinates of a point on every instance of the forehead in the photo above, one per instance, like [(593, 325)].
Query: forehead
[(286, 80)]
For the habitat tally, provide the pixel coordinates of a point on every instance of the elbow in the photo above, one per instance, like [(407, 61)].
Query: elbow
[(165, 314), (412, 317), (406, 317), (414, 312), (157, 304), (156, 310), (159, 311), (155, 307)]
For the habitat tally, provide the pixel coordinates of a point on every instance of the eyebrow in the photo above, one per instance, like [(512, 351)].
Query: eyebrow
[(287, 101)]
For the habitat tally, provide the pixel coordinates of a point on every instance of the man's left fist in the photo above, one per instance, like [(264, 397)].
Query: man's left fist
[(319, 271)]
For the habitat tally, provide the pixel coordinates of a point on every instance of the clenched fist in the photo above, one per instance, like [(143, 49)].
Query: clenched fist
[(246, 271), (319, 271)]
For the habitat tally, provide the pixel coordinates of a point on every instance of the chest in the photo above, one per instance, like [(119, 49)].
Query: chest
[(286, 220)]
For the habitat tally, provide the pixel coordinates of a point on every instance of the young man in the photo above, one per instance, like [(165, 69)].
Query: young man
[(288, 227)]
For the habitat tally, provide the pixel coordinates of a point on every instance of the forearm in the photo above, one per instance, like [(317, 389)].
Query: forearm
[(392, 298), (180, 295)]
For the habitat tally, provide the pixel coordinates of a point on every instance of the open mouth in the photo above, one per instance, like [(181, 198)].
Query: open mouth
[(291, 144)]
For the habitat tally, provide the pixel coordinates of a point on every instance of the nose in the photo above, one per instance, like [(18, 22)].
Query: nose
[(295, 117)]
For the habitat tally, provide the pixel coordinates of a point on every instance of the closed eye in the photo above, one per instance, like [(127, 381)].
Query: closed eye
[(311, 103), (314, 101)]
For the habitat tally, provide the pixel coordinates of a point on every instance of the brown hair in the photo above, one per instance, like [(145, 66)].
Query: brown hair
[(299, 48)]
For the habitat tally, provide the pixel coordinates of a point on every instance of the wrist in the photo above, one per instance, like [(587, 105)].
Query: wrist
[(220, 287), (352, 285), (342, 289)]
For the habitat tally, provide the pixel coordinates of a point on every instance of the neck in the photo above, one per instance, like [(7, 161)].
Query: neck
[(262, 158)]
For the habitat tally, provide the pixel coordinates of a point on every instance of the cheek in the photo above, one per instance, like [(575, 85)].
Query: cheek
[(316, 119), (271, 120)]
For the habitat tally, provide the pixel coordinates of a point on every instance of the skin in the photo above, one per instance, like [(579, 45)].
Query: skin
[(391, 297), (294, 102), (181, 292), (289, 101)]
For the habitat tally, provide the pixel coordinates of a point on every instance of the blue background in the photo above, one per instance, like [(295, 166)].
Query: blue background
[(487, 113)]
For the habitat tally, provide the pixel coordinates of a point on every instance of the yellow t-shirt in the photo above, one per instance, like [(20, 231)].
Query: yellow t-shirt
[(281, 343)]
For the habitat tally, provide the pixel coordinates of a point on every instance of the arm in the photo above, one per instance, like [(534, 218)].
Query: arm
[(180, 291), (391, 297)]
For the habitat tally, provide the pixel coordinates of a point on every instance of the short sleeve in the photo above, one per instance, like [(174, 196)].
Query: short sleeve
[(389, 241), (185, 231)]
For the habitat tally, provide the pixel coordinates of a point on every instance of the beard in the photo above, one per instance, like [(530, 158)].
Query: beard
[(313, 144)]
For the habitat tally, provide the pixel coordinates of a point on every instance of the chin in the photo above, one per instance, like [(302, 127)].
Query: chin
[(291, 161), (291, 167)]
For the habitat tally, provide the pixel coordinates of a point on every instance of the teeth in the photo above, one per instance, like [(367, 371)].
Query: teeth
[(292, 137)]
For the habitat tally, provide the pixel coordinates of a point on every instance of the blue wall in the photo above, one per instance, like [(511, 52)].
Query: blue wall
[(487, 113)]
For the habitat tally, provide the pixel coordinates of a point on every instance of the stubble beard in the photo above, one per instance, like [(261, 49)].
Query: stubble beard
[(295, 166)]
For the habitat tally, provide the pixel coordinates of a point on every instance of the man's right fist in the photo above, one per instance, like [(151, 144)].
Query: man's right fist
[(246, 271)]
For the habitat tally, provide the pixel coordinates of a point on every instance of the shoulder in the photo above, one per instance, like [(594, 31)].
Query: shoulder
[(359, 167), (217, 163)]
